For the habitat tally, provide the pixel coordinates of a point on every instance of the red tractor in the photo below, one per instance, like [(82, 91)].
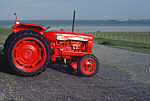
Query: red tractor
[(30, 48)]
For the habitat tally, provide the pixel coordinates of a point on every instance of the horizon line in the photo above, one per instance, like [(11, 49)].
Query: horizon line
[(76, 19)]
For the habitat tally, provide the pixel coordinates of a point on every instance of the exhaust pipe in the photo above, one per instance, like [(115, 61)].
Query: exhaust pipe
[(73, 21), (16, 17)]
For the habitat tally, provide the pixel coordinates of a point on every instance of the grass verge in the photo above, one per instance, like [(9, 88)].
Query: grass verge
[(4, 32), (139, 47)]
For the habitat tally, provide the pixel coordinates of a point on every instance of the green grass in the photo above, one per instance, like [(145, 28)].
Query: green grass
[(4, 32), (135, 41), (138, 37)]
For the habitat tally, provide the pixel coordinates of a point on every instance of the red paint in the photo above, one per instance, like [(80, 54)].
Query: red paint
[(88, 66), (74, 64), (69, 45), (29, 54), (27, 26)]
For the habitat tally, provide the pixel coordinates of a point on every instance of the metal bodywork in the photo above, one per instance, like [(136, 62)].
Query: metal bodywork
[(68, 45)]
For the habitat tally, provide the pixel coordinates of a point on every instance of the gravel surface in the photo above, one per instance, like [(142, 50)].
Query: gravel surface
[(57, 83), (135, 63)]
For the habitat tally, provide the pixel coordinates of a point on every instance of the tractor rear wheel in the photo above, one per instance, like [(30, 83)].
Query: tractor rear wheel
[(7, 44), (28, 53), (88, 65)]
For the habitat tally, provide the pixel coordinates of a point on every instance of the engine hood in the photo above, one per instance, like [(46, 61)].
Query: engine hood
[(73, 36)]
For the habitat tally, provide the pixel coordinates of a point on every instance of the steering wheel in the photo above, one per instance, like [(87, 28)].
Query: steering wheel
[(47, 28)]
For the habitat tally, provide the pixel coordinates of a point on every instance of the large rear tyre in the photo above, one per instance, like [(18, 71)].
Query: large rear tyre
[(7, 44), (88, 65), (28, 53)]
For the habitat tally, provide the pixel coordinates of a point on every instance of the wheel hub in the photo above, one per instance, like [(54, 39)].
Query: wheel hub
[(88, 65), (28, 53)]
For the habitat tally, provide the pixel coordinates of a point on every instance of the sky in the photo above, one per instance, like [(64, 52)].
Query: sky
[(85, 9)]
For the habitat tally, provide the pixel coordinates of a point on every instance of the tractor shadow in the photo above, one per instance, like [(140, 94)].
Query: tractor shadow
[(62, 68), (5, 68)]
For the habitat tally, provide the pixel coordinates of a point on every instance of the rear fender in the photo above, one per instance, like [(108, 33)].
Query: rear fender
[(26, 26)]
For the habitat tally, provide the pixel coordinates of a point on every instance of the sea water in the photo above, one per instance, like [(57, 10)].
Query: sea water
[(90, 25)]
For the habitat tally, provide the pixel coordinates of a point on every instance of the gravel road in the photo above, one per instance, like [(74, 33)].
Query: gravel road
[(135, 63), (123, 76)]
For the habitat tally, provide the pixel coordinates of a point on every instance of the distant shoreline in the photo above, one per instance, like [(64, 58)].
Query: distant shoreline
[(124, 25), (102, 28)]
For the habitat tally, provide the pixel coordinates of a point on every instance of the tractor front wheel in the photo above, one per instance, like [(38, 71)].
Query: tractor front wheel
[(29, 53), (88, 65)]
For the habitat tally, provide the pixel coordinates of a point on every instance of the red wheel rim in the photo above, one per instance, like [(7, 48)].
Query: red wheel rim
[(29, 54), (88, 66), (73, 64)]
